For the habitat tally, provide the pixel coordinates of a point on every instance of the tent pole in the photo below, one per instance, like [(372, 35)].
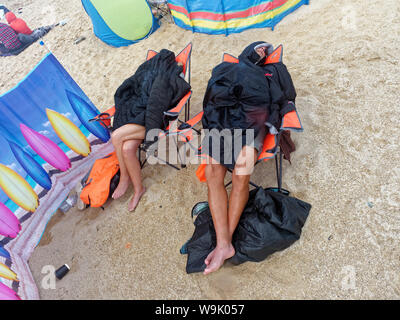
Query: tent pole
[(190, 18), (188, 103), (226, 27), (44, 45)]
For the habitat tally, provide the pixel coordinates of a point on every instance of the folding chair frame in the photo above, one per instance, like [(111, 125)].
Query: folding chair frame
[(277, 154), (278, 169), (274, 57)]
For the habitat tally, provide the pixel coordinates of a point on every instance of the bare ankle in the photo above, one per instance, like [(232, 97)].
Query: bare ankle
[(224, 245), (139, 190)]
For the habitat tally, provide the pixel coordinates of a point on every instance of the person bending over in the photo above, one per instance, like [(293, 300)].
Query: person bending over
[(140, 104), (240, 101), (25, 34)]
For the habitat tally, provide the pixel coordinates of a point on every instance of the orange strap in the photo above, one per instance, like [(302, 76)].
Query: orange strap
[(201, 172)]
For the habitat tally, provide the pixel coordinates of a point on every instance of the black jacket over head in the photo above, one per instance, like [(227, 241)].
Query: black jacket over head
[(155, 87), (241, 96), (270, 222), (237, 95)]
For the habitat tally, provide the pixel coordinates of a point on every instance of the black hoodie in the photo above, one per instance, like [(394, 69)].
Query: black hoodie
[(154, 88), (239, 95)]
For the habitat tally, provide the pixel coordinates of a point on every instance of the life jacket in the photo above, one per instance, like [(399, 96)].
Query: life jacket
[(101, 181)]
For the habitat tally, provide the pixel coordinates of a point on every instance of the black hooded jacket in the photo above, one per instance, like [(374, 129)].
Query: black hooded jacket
[(241, 96), (155, 87), (237, 95)]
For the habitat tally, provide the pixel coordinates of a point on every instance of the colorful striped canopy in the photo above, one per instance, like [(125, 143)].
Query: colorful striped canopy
[(230, 16)]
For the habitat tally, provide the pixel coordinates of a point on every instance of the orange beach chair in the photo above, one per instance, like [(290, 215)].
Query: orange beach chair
[(271, 147), (176, 126)]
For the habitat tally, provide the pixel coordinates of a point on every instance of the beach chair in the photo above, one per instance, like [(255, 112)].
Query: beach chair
[(175, 126), (271, 147)]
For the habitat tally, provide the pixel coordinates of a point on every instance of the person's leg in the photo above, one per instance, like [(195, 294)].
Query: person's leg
[(118, 137), (26, 39), (132, 164), (218, 202), (240, 186)]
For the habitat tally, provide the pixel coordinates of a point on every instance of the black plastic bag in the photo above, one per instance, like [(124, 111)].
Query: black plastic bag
[(270, 222)]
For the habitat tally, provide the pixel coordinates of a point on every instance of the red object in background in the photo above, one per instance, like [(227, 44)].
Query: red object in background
[(17, 24)]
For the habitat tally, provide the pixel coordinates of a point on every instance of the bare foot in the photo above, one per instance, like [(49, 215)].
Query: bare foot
[(219, 255), (121, 189), (209, 258), (135, 199)]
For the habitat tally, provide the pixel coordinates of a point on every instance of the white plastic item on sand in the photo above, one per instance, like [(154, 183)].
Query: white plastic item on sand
[(80, 204), (69, 202), (62, 23)]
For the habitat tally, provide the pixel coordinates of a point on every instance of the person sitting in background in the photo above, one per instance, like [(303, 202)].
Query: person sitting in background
[(140, 103), (25, 34), (17, 24), (9, 41)]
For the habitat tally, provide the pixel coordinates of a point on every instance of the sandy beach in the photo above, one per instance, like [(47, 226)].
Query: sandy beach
[(343, 58)]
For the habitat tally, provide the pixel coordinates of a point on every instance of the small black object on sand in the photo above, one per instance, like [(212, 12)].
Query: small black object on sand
[(80, 39), (62, 271)]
